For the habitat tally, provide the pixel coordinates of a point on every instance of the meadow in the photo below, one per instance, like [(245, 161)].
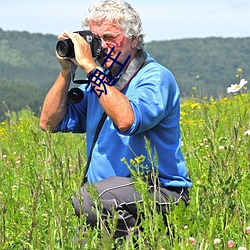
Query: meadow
[(40, 172)]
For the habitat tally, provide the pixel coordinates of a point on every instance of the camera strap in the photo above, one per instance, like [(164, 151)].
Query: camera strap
[(136, 64), (97, 132)]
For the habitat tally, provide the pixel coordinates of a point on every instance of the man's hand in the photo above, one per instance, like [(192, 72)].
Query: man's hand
[(83, 54), (66, 63)]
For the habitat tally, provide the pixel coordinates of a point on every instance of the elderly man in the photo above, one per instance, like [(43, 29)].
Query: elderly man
[(141, 104)]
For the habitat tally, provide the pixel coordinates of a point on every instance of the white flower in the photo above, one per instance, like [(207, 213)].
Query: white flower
[(246, 133), (237, 87), (22, 210), (217, 241), (242, 248)]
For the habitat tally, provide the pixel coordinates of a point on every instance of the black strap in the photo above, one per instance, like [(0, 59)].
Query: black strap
[(97, 132)]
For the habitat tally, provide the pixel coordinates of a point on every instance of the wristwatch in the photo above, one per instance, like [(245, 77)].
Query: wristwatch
[(93, 71)]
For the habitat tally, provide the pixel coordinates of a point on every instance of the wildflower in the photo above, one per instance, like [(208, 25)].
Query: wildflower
[(248, 230), (192, 240), (230, 244), (195, 106), (198, 182), (216, 241), (242, 248), (237, 87), (132, 162), (247, 133), (221, 147), (22, 210), (240, 70), (137, 159), (45, 216), (14, 188)]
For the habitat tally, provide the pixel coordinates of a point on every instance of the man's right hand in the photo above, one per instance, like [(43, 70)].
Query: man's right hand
[(66, 63)]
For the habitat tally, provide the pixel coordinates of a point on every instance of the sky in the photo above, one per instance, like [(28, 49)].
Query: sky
[(161, 19)]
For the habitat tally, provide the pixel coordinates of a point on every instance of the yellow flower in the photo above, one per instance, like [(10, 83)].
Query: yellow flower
[(195, 105), (240, 70), (138, 160), (132, 162)]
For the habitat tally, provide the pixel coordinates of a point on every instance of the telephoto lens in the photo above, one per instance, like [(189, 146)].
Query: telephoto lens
[(65, 48)]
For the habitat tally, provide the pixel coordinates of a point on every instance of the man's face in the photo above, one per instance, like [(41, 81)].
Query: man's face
[(113, 36)]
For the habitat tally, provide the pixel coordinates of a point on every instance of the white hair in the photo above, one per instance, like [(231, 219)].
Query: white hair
[(120, 13)]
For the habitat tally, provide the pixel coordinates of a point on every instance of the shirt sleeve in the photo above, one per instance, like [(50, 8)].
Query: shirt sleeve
[(153, 98)]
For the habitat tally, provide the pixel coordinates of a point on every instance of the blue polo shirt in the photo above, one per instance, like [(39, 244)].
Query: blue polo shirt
[(154, 97)]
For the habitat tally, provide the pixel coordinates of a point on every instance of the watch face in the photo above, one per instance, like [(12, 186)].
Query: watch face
[(97, 70)]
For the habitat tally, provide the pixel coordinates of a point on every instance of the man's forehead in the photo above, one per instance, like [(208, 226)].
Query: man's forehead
[(104, 26)]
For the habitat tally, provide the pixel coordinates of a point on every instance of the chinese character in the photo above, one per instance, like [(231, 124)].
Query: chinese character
[(115, 60), (98, 77)]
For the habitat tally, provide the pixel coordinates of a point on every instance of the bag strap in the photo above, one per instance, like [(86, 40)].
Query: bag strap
[(139, 64)]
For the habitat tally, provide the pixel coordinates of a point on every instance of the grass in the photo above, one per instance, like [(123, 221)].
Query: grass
[(40, 172)]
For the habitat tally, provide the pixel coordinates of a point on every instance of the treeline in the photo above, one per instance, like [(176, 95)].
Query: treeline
[(28, 68), (204, 67)]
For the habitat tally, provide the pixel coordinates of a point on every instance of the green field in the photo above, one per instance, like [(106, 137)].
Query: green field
[(40, 172)]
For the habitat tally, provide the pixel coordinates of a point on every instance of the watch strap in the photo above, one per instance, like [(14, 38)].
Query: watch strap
[(92, 72)]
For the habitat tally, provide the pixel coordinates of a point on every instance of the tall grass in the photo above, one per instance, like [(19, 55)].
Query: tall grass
[(40, 172)]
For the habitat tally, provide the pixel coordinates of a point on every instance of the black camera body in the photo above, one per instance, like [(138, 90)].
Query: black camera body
[(65, 48)]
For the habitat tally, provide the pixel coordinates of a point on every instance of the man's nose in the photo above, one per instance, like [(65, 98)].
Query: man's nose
[(104, 44)]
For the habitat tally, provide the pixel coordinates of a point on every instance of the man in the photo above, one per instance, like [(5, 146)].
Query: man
[(143, 104)]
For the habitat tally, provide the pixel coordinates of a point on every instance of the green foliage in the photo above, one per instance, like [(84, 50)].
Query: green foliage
[(14, 95), (40, 172)]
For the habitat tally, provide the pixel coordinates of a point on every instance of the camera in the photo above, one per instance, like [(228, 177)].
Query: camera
[(65, 48)]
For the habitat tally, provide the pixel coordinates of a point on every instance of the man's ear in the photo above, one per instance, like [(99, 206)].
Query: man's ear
[(134, 42)]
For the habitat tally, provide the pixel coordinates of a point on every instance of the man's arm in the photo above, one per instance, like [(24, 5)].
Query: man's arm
[(118, 108), (55, 103)]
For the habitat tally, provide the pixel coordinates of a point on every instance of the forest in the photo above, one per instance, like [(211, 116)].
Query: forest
[(202, 67)]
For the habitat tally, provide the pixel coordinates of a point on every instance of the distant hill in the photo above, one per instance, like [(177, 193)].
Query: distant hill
[(28, 65), (28, 58)]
